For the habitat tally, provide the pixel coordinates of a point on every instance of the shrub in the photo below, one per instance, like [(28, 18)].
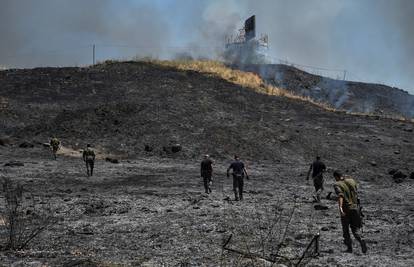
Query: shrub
[(23, 217)]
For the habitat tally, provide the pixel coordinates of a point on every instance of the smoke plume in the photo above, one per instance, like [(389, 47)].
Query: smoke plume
[(372, 39)]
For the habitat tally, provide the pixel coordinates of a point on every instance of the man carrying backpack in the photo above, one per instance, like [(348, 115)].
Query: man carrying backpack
[(55, 145), (89, 158), (317, 168), (348, 202), (238, 174)]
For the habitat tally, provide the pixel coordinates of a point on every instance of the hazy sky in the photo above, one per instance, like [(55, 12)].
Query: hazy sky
[(372, 39)]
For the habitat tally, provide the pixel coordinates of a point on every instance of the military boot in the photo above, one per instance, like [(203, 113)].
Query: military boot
[(349, 247), (363, 246), (236, 197)]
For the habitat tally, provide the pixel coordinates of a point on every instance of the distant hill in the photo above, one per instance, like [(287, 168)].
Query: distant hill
[(344, 95), (125, 107)]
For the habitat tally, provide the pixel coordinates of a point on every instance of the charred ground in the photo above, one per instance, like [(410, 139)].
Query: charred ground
[(148, 209)]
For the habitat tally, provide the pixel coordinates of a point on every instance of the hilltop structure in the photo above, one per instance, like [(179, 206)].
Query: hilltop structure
[(245, 47)]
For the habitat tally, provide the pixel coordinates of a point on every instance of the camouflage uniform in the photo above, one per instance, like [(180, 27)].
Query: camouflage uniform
[(347, 189), (89, 158), (55, 144)]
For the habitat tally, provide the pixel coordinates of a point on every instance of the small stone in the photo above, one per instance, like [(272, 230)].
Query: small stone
[(112, 160), (373, 163), (301, 236), (122, 210), (283, 139), (399, 175), (14, 164), (320, 207), (172, 148), (392, 171), (86, 231), (5, 141), (398, 180), (26, 145), (324, 229), (331, 260), (176, 148), (397, 152), (148, 148)]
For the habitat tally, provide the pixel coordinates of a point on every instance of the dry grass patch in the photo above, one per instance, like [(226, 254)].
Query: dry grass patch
[(242, 78), (249, 80)]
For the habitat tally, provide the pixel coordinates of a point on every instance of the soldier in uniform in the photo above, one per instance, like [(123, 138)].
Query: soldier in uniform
[(89, 158), (238, 174), (55, 145), (317, 168), (348, 202)]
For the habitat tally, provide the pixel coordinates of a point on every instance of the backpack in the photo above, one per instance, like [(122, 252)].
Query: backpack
[(89, 154), (348, 187)]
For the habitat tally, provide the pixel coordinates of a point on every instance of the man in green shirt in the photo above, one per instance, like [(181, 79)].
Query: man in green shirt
[(55, 145), (348, 202)]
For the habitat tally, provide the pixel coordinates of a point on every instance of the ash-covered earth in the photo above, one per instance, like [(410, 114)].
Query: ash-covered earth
[(150, 210)]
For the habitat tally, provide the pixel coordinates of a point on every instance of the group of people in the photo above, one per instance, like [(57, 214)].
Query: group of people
[(345, 187), (239, 172), (88, 154)]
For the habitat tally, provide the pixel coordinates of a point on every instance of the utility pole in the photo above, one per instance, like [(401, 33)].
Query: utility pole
[(344, 75), (93, 54)]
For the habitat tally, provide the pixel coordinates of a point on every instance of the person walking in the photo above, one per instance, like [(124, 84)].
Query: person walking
[(55, 145), (239, 171), (89, 158), (317, 168), (206, 172), (348, 203)]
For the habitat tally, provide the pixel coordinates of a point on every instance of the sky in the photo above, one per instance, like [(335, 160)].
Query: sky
[(373, 40)]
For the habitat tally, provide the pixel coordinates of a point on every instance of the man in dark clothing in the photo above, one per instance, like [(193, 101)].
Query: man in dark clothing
[(206, 171), (89, 158), (238, 174), (317, 168), (348, 202)]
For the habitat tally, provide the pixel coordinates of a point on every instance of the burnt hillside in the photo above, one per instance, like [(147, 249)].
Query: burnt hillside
[(148, 208), (124, 107), (345, 95)]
